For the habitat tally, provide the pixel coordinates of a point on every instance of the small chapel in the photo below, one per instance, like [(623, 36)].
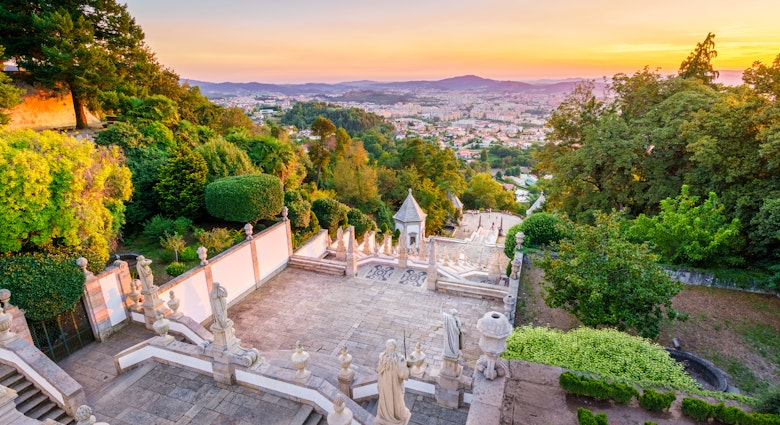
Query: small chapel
[(410, 218)]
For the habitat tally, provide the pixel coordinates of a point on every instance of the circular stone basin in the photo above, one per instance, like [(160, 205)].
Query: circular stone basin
[(708, 376)]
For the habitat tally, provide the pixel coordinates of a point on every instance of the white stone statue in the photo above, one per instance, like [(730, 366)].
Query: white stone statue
[(145, 273), (218, 298), (453, 336), (392, 371)]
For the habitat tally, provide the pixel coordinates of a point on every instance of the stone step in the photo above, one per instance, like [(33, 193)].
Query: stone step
[(317, 265), (370, 406), (302, 415), (30, 401), (31, 404), (314, 419)]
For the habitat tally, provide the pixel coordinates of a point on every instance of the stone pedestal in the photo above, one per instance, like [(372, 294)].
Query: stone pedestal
[(433, 270), (152, 303), (403, 253), (495, 328), (449, 384), (346, 375)]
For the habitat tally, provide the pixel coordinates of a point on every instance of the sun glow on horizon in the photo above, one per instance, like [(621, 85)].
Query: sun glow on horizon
[(344, 40)]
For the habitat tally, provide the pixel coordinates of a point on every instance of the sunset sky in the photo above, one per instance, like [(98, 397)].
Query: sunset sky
[(294, 41)]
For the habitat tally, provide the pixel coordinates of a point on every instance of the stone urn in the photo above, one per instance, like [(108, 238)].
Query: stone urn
[(5, 326), (345, 360), (161, 326), (416, 359), (495, 328), (300, 359), (173, 304)]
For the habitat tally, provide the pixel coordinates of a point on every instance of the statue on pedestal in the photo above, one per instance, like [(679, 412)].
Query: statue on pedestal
[(453, 336), (145, 273), (392, 371)]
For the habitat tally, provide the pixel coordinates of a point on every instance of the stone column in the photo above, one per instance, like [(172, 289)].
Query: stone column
[(433, 270), (402, 251), (510, 302), (346, 375), (351, 254)]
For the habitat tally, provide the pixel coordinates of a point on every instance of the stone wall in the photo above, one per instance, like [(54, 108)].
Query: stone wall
[(44, 109), (693, 277)]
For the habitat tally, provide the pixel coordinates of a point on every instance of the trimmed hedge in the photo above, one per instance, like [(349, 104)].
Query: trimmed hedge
[(330, 213), (596, 388), (701, 411), (655, 401), (362, 222), (174, 269), (586, 417), (245, 198), (42, 284)]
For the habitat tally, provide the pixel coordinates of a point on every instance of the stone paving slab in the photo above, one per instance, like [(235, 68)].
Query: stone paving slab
[(325, 312)]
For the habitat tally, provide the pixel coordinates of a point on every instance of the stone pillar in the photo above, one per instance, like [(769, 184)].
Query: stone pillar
[(351, 254), (510, 302), (346, 375), (494, 270), (387, 245), (421, 248), (449, 384), (495, 328), (18, 322), (433, 270), (402, 251)]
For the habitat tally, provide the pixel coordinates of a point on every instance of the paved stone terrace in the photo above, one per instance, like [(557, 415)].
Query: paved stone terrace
[(325, 312), (322, 311)]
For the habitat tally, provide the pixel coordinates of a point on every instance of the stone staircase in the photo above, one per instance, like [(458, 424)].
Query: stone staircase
[(317, 265), (308, 416), (30, 401)]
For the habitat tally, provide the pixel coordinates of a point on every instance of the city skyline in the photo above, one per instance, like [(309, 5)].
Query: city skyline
[(299, 41)]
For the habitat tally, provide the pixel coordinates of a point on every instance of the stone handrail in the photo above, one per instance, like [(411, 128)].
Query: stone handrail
[(44, 374), (266, 377)]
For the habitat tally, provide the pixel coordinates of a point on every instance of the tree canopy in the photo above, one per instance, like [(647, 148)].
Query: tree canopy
[(603, 279)]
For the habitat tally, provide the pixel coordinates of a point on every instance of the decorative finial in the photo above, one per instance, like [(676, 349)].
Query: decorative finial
[(248, 231), (410, 191), (202, 254), (82, 263)]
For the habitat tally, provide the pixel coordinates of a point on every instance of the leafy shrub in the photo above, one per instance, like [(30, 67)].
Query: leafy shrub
[(218, 239), (173, 242), (731, 415), (596, 388), (157, 227), (542, 229), (608, 353), (158, 133), (181, 225), (165, 256), (655, 401), (121, 134), (42, 284), (770, 402), (188, 253), (176, 268), (586, 417), (697, 409), (245, 198), (650, 423), (362, 222), (298, 210), (225, 159), (331, 214)]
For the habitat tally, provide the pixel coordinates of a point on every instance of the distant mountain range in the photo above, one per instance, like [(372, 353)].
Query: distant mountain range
[(466, 82)]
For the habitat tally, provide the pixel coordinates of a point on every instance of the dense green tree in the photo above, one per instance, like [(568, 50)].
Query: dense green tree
[(275, 157), (224, 159), (764, 79), (362, 222), (353, 178), (85, 47), (766, 225), (10, 96), (331, 214), (605, 280), (59, 191), (688, 233), (144, 163), (699, 63), (149, 109), (320, 148), (483, 192), (182, 183), (299, 209)]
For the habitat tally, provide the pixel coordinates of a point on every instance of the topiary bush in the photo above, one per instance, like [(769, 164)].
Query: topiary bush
[(542, 229), (245, 199), (176, 268), (655, 401), (586, 417), (362, 222), (298, 209), (42, 284), (697, 410), (330, 213)]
